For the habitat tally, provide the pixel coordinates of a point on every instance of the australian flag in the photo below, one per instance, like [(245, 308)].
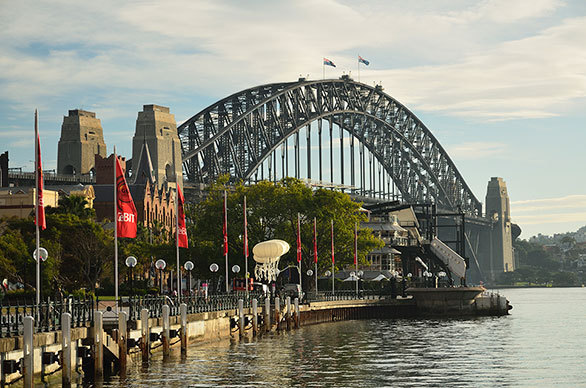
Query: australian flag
[(360, 59), (327, 62)]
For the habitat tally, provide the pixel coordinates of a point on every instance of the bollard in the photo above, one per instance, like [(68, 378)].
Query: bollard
[(183, 308), (277, 312), (145, 332), (98, 346), (288, 316), (66, 350), (240, 318), (297, 316), (165, 337), (122, 342), (267, 314), (28, 370), (254, 317)]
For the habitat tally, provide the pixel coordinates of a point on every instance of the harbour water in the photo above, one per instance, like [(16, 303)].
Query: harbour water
[(541, 344)]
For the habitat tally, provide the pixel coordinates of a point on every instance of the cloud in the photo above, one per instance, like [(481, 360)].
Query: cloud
[(476, 150), (549, 211)]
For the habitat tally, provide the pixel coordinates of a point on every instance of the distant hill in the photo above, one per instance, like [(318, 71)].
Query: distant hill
[(578, 236)]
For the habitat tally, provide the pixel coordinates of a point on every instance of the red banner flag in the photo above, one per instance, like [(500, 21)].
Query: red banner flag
[(333, 242), (225, 225), (40, 213), (314, 241), (298, 238), (355, 243), (245, 231), (182, 240), (126, 222)]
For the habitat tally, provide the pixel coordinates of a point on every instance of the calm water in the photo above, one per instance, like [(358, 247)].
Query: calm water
[(542, 344)]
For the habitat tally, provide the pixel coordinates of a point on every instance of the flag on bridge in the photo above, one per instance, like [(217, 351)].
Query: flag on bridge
[(327, 62), (362, 60)]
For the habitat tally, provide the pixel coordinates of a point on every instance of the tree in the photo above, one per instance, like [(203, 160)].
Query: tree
[(272, 213), (73, 204)]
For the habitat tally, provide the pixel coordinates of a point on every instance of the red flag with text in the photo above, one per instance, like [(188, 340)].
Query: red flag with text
[(125, 205), (182, 241), (40, 216)]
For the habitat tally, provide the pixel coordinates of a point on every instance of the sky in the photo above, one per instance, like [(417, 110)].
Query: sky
[(500, 83)]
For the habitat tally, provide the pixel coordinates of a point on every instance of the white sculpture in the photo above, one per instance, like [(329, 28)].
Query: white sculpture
[(267, 255)]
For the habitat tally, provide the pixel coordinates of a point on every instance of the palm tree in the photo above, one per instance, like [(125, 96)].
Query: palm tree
[(75, 204)]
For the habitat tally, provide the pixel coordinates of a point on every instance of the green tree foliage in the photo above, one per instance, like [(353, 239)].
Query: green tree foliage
[(73, 204), (272, 214)]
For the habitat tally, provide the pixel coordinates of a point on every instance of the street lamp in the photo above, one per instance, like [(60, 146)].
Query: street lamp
[(189, 267), (131, 263), (160, 265), (213, 269), (44, 255)]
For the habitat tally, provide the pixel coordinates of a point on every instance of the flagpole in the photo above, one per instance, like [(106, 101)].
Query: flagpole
[(359, 68), (333, 256), (225, 238), (356, 254), (115, 236), (246, 281), (299, 248), (323, 65), (177, 241), (315, 250), (38, 233)]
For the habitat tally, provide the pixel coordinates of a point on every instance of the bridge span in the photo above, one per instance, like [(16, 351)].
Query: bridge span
[(349, 136)]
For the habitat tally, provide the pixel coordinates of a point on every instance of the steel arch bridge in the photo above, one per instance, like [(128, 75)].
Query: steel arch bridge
[(238, 133)]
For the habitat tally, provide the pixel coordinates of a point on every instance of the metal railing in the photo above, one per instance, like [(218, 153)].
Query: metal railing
[(47, 315)]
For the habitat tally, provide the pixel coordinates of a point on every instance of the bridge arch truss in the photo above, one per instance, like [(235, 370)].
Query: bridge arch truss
[(242, 134)]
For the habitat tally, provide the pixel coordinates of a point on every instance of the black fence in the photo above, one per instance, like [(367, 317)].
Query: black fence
[(47, 315)]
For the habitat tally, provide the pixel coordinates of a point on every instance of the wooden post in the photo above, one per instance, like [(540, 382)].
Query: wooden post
[(122, 342), (277, 312), (254, 317), (240, 318), (288, 316), (28, 369), (297, 316), (146, 333), (184, 334), (66, 350), (267, 318), (165, 337), (98, 346)]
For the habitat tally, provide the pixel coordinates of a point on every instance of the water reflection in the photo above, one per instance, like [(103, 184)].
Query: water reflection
[(525, 349)]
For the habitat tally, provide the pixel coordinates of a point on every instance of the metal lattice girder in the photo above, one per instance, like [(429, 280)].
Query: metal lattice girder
[(236, 134)]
